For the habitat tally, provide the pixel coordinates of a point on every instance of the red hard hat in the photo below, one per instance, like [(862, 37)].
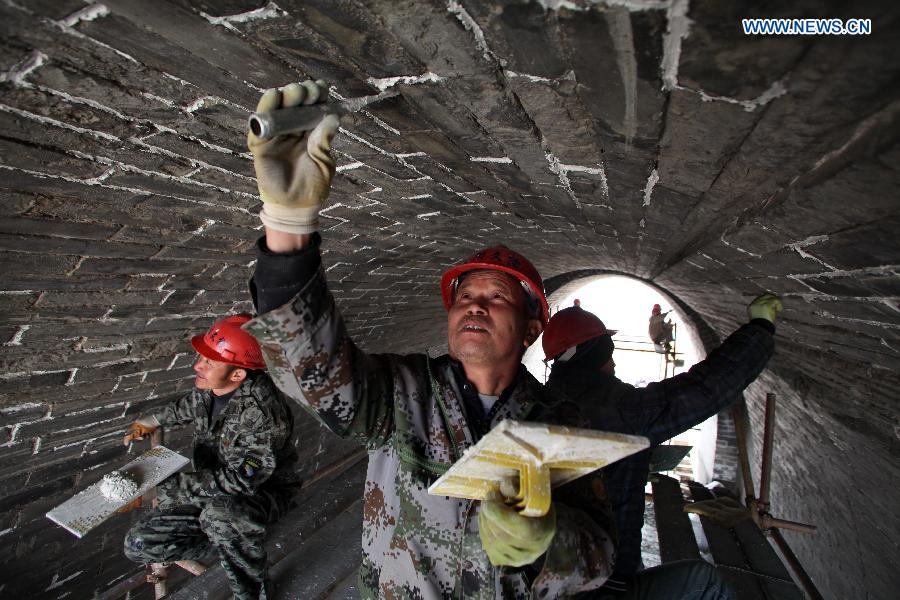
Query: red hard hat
[(657, 309), (226, 342), (498, 258), (570, 327)]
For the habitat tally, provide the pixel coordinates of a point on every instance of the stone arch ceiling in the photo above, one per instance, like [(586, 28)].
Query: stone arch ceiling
[(649, 138)]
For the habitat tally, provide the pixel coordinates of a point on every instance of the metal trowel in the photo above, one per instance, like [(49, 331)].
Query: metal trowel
[(296, 119)]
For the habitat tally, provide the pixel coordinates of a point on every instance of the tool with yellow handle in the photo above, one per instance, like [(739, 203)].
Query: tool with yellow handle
[(524, 461)]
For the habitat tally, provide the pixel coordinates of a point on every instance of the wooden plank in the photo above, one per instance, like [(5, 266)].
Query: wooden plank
[(89, 508), (667, 457), (775, 581), (318, 505), (727, 553), (676, 535)]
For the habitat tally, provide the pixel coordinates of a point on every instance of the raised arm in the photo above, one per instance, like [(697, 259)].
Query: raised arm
[(668, 407), (309, 354)]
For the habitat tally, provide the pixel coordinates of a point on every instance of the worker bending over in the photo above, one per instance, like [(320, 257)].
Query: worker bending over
[(416, 414), (584, 370), (243, 460)]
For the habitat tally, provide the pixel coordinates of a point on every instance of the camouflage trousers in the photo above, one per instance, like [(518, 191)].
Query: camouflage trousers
[(232, 526)]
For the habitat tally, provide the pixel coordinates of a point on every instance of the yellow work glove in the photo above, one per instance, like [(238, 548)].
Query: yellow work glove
[(508, 538), (139, 429), (294, 171), (765, 307)]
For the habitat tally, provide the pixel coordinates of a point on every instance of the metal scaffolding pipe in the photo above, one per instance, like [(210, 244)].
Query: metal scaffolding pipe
[(794, 564), (768, 450)]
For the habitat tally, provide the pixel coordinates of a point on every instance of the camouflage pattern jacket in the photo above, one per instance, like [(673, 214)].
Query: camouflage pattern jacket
[(408, 411), (245, 450)]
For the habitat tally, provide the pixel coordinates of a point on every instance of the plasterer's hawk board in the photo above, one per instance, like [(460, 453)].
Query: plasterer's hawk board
[(523, 461), (89, 507)]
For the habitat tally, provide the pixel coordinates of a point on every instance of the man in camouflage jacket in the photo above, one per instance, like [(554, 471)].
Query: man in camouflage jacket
[(243, 459), (417, 415)]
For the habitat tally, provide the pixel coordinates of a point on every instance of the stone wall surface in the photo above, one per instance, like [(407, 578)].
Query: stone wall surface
[(649, 138)]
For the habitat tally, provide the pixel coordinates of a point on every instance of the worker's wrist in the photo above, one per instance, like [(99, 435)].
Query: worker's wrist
[(296, 221), (764, 323)]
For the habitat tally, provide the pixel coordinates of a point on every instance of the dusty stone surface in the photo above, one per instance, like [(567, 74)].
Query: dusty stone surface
[(646, 138)]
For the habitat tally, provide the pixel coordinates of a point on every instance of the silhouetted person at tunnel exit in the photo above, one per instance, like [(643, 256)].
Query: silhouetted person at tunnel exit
[(660, 330), (581, 348), (417, 414)]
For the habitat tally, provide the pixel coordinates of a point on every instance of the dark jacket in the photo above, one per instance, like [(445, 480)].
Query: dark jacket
[(659, 411)]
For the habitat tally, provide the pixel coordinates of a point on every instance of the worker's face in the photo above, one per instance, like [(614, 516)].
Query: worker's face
[(215, 375), (488, 322), (609, 368)]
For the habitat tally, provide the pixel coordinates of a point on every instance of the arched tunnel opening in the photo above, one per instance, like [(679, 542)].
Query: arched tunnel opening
[(715, 151)]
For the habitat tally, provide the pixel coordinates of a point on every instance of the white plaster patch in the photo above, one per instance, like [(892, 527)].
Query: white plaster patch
[(269, 11), (776, 90), (88, 13), (19, 71), (48, 121), (799, 246), (16, 339), (531, 78), (505, 160), (741, 250), (618, 22), (349, 167), (381, 123), (456, 9), (388, 82), (677, 28), (652, 180)]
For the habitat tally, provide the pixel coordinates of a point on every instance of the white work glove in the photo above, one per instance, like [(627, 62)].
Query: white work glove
[(142, 427), (294, 171)]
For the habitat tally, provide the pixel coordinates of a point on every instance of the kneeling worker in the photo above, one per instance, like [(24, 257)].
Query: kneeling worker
[(584, 370), (243, 464)]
